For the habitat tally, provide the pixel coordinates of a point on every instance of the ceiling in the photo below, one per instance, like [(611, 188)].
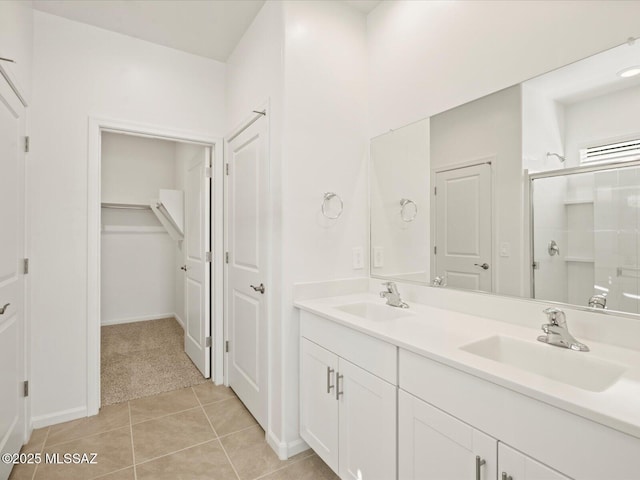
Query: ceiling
[(210, 29), (591, 77)]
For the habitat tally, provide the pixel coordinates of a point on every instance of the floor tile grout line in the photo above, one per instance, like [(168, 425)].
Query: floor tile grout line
[(102, 475), (165, 415), (287, 465), (33, 476), (176, 451), (224, 450), (238, 431), (133, 449), (86, 436)]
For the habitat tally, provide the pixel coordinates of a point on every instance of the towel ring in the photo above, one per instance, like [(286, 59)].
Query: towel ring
[(403, 203), (325, 200)]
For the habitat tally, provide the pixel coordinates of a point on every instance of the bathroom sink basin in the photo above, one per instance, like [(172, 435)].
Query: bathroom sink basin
[(578, 369), (373, 311)]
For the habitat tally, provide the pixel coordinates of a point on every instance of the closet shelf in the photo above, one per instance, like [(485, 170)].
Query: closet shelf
[(169, 208), (125, 206), (579, 201), (132, 229)]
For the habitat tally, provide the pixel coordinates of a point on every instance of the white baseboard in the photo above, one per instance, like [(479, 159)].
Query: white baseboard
[(286, 450), (144, 318), (59, 417), (179, 320)]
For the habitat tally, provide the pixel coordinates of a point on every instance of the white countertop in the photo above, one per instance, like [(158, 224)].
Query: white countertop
[(438, 334)]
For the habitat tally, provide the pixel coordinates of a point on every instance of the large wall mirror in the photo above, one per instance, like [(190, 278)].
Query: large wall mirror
[(531, 191)]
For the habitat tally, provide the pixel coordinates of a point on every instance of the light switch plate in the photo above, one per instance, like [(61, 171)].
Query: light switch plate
[(505, 249), (358, 258), (378, 257)]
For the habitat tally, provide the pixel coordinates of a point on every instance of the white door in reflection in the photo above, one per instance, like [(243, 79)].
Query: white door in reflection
[(463, 227)]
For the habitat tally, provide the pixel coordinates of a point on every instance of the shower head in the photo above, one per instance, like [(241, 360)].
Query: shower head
[(551, 154)]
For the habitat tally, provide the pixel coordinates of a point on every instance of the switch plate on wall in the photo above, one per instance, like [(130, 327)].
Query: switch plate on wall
[(358, 258), (505, 249), (378, 257)]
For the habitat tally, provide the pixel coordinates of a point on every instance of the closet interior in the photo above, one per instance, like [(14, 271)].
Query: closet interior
[(143, 266)]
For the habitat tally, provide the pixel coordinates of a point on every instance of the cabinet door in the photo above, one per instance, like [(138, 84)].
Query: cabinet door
[(367, 425), (517, 466), (318, 402), (435, 445)]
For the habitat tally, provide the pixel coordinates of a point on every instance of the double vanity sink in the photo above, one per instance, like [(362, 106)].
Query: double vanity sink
[(565, 366), (439, 384)]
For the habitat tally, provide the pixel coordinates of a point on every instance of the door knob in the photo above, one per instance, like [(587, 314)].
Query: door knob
[(484, 266), (183, 267), (259, 288), (4, 308)]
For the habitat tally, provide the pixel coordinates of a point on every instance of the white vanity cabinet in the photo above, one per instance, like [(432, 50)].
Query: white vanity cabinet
[(433, 444), (513, 465), (348, 399), (446, 409)]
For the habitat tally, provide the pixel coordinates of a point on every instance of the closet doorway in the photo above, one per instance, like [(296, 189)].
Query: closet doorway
[(155, 280)]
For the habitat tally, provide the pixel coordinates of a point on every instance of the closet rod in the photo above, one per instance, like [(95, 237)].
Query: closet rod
[(126, 206)]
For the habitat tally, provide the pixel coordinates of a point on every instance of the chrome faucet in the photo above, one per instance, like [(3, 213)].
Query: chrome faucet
[(598, 301), (557, 332), (439, 281), (392, 295)]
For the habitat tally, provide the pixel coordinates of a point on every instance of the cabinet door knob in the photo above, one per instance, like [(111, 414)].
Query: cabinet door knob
[(479, 463), (506, 477), (184, 268)]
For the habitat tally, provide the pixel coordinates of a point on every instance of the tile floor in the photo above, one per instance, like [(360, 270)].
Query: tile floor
[(200, 432)]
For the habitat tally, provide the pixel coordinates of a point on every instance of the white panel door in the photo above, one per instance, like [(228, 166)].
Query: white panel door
[(12, 321), (435, 445), (318, 401), (463, 227), (367, 422), (197, 242), (247, 270), (513, 465)]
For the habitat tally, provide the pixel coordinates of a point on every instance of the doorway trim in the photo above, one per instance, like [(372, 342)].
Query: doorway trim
[(97, 125)]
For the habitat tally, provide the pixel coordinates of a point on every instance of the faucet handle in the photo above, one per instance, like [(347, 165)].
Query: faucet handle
[(555, 315), (391, 287)]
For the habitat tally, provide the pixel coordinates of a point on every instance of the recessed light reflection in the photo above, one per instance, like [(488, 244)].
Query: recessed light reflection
[(629, 72)]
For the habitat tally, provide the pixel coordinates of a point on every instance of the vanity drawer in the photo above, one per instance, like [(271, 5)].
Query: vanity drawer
[(369, 353)]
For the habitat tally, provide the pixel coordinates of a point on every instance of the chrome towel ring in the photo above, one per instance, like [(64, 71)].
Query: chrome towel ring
[(325, 201), (404, 203)]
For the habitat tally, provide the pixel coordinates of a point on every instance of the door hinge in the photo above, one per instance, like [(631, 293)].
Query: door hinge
[(25, 266), (226, 168), (435, 190), (435, 250), (226, 257), (207, 342), (535, 265), (208, 172), (226, 346), (208, 256), (25, 388), (26, 144)]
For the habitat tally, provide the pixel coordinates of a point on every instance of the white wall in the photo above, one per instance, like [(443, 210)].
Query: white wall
[(607, 118), (134, 168), (427, 57), (79, 71), (400, 168), (325, 149)]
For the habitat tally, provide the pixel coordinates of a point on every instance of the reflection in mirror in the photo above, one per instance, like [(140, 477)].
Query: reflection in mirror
[(400, 203), (581, 137), (531, 190)]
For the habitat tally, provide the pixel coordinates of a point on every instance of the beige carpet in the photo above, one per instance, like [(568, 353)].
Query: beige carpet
[(144, 358)]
